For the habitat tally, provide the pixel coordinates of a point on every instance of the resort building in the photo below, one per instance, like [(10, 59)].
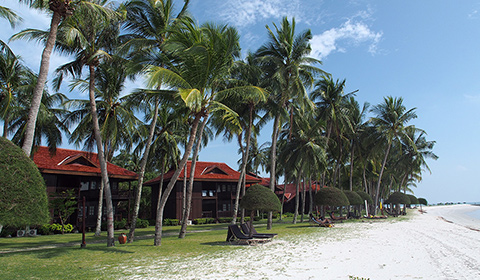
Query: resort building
[(287, 193), (214, 190), (79, 170)]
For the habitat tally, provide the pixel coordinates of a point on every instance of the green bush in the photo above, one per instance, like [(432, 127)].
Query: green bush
[(170, 222), (353, 197), (120, 224), (142, 223), (331, 196), (8, 231), (57, 228), (422, 201), (45, 229), (225, 220)]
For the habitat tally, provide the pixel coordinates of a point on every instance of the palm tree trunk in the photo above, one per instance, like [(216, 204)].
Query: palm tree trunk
[(377, 192), (98, 228), (297, 186), (303, 200), (188, 201), (173, 181), (159, 218), (352, 153), (310, 207), (273, 161), (239, 183), (41, 80), (143, 165), (101, 159)]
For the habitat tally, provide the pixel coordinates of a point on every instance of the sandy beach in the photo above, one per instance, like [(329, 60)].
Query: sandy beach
[(443, 243)]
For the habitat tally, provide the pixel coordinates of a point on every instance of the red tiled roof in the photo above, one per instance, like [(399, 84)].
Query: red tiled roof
[(290, 190), (75, 162), (207, 171)]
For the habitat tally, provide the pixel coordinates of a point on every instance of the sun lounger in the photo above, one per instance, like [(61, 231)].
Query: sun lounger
[(235, 234), (246, 229), (335, 218), (320, 223)]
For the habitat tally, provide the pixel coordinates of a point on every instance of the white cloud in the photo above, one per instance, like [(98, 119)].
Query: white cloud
[(248, 12), (350, 32)]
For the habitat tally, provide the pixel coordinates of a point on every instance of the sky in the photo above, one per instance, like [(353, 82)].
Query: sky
[(427, 52)]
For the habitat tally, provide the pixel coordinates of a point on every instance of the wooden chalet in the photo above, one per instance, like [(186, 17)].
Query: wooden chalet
[(287, 194), (214, 190), (79, 170)]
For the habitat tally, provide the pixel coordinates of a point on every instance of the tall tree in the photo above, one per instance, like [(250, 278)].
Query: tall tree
[(60, 9), (390, 119), (287, 65), (151, 23)]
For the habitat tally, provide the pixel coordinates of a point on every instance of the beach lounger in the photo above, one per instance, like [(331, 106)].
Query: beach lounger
[(335, 218), (235, 234), (320, 223), (246, 229)]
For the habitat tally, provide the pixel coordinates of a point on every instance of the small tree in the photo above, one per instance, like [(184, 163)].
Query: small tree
[(23, 194), (365, 197), (258, 197), (330, 196), (63, 205), (413, 199), (422, 201), (398, 198), (355, 200)]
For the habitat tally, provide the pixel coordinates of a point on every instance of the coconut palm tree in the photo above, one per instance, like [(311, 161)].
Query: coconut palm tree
[(203, 57), (89, 36), (391, 117), (151, 23), (12, 18), (290, 70), (60, 9)]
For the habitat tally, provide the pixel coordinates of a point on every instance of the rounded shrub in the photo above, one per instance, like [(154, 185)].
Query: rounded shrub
[(353, 198), (258, 197), (422, 201), (365, 196), (413, 199), (398, 198), (23, 199), (331, 197)]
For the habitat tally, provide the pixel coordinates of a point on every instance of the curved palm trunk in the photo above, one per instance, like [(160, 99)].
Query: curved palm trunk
[(42, 79), (377, 191), (239, 183), (143, 165), (188, 201), (101, 159), (297, 200), (351, 166), (173, 180), (273, 161), (98, 228)]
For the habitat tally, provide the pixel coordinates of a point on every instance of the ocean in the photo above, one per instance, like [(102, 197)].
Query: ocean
[(475, 214)]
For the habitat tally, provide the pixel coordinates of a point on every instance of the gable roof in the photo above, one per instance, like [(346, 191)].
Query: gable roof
[(207, 171), (73, 162), (291, 189)]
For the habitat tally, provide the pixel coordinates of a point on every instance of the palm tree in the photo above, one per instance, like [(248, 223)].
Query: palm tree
[(87, 35), (390, 120), (12, 18), (285, 61), (151, 22), (61, 9), (202, 60), (331, 106)]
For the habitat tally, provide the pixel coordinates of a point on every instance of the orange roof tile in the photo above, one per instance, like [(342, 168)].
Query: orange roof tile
[(208, 171), (74, 162)]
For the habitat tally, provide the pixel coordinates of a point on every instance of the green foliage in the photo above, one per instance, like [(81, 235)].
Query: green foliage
[(63, 204), (120, 224), (422, 201), (365, 196), (45, 229), (142, 223), (57, 228), (258, 197), (353, 198), (331, 196), (398, 198), (170, 222), (202, 221), (23, 195), (413, 199)]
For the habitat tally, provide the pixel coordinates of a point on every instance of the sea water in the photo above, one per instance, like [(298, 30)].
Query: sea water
[(475, 214)]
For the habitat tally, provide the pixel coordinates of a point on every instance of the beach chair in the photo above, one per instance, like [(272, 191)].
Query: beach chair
[(320, 223), (246, 229), (235, 234), (335, 218)]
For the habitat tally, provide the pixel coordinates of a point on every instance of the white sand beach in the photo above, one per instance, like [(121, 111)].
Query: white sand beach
[(443, 243)]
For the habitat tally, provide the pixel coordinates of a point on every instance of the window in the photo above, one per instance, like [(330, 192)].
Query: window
[(91, 211), (84, 186), (211, 193), (80, 211), (114, 185), (93, 185), (204, 193)]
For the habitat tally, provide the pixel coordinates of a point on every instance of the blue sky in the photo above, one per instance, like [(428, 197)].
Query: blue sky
[(427, 52)]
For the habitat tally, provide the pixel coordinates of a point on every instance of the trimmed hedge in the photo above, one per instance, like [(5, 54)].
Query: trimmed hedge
[(398, 198), (258, 197), (422, 201), (353, 198), (331, 196), (365, 196), (413, 199)]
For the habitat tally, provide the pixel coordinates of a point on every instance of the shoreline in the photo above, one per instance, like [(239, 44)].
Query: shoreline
[(424, 246), (457, 214)]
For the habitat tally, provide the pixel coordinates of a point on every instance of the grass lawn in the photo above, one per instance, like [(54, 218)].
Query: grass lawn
[(97, 261)]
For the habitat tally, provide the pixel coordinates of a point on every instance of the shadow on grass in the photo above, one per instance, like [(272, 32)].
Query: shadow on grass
[(217, 243)]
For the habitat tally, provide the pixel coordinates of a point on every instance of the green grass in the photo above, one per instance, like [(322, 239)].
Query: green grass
[(97, 261)]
